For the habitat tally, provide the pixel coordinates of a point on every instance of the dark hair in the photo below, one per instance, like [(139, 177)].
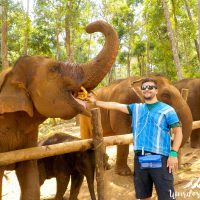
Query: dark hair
[(149, 80)]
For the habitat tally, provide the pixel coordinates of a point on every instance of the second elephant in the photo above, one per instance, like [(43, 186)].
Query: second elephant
[(193, 101), (128, 91), (75, 165)]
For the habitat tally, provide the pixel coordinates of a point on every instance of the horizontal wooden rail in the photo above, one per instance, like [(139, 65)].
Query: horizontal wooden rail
[(195, 125), (57, 149)]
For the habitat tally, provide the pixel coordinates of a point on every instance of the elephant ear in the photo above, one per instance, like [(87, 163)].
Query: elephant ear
[(135, 83), (13, 97)]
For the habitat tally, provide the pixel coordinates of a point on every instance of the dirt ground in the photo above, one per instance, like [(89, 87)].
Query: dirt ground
[(187, 178)]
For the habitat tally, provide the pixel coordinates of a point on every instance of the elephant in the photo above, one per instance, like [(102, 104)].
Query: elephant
[(128, 91), (75, 165), (40, 87), (193, 101)]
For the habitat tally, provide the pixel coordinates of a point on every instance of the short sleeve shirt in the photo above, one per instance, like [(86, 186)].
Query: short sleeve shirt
[(151, 127)]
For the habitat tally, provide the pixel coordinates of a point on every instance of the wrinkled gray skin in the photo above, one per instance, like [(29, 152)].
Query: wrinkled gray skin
[(114, 122), (39, 87), (73, 165), (193, 101)]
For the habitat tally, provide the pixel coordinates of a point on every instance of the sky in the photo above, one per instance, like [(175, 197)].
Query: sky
[(24, 2)]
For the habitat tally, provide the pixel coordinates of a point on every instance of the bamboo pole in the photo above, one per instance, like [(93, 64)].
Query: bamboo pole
[(195, 125), (97, 132), (11, 157)]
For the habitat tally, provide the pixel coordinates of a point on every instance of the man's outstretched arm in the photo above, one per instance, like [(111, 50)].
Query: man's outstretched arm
[(109, 105)]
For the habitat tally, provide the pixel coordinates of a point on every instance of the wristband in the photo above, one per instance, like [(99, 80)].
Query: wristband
[(173, 153)]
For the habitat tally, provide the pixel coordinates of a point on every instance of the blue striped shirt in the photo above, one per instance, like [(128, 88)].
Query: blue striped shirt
[(151, 127)]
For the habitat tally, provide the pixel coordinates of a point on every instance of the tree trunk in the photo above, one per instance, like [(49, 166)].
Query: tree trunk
[(111, 75), (148, 70), (191, 20), (68, 32), (26, 33), (176, 31), (4, 48), (172, 40), (89, 48), (67, 43), (139, 65), (129, 58), (57, 38), (199, 23), (128, 65)]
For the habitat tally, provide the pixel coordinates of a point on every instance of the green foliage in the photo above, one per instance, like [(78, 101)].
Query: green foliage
[(16, 28), (140, 24)]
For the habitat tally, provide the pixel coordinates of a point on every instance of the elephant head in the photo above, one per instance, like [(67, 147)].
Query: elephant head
[(51, 86), (169, 94)]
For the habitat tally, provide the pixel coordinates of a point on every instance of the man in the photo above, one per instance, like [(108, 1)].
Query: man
[(155, 158)]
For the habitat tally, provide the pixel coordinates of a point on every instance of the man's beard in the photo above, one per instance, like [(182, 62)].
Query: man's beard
[(149, 97)]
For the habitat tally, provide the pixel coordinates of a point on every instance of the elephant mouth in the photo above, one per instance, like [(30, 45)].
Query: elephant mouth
[(80, 97), (81, 102)]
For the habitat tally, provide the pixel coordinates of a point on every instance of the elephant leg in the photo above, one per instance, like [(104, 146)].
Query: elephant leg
[(90, 182), (62, 183), (77, 180), (121, 167), (1, 180), (195, 139), (27, 174)]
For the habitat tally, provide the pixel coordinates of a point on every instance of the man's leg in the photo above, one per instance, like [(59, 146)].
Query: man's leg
[(142, 182), (163, 181)]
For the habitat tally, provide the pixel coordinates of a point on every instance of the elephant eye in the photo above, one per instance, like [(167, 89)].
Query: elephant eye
[(56, 69), (166, 95)]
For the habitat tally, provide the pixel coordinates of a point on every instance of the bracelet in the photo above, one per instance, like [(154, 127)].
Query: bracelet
[(173, 153), (95, 103)]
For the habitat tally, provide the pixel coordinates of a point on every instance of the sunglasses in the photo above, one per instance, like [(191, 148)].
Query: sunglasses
[(148, 87)]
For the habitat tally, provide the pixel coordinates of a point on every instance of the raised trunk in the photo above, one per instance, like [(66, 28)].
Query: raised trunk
[(95, 70)]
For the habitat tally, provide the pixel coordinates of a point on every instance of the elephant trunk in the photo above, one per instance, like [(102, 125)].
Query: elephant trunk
[(95, 70), (185, 117)]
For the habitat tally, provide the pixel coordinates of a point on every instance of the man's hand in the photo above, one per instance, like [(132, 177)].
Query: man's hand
[(172, 163), (91, 98)]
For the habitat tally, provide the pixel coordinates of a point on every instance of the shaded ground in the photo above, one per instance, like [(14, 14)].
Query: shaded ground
[(187, 179)]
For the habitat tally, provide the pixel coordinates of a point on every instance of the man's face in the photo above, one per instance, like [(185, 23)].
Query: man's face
[(149, 90)]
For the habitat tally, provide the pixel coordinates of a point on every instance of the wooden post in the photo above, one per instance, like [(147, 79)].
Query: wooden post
[(184, 94), (99, 151)]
